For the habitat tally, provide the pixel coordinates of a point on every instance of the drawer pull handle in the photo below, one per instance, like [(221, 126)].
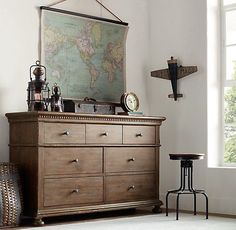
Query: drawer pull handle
[(104, 134), (131, 187), (131, 159), (76, 160), (139, 135), (66, 133), (75, 191)]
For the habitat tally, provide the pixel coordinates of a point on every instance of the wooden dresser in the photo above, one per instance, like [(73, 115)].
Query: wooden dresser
[(74, 163)]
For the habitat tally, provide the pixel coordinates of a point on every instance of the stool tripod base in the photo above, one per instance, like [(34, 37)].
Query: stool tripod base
[(179, 192)]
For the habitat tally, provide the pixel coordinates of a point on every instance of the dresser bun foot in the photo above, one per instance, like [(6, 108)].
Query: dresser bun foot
[(157, 208), (38, 222)]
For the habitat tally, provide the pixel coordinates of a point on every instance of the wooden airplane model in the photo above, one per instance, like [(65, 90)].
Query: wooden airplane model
[(173, 73)]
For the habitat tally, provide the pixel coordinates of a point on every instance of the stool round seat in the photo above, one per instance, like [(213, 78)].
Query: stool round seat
[(186, 156)]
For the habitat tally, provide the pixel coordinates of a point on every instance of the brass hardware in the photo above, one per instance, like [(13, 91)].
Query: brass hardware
[(76, 190), (104, 134), (76, 160), (131, 159), (139, 135), (132, 187), (66, 133)]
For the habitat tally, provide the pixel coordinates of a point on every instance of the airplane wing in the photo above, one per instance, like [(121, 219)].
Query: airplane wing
[(162, 73), (185, 71)]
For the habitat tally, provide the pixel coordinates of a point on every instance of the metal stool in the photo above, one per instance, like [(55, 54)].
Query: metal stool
[(186, 166)]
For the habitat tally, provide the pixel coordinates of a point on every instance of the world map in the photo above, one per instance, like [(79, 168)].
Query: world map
[(85, 57)]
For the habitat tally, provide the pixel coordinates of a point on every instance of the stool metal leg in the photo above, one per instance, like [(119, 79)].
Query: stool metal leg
[(206, 204), (167, 203), (190, 187), (177, 207), (194, 203), (190, 179), (183, 173)]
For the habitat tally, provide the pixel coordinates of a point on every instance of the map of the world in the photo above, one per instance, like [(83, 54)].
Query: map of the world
[(85, 57)]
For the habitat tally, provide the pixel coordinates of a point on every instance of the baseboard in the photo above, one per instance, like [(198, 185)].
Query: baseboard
[(202, 213), (218, 206)]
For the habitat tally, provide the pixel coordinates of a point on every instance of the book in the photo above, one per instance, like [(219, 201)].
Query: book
[(135, 113)]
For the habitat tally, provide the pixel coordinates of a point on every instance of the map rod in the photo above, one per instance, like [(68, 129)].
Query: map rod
[(83, 15)]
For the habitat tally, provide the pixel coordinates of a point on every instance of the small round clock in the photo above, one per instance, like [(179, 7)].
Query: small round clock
[(129, 102)]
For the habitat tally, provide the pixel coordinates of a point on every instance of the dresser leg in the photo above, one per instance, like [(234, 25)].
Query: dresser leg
[(38, 222), (157, 208)]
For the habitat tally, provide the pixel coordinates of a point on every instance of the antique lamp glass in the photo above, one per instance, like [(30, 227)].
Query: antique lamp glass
[(38, 90)]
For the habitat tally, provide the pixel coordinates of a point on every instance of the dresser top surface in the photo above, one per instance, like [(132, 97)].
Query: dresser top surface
[(42, 116)]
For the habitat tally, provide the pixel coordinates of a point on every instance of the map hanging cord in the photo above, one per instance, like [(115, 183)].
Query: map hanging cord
[(100, 3), (55, 3), (108, 10)]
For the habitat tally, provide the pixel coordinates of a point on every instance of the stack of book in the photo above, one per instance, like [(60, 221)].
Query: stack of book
[(135, 113)]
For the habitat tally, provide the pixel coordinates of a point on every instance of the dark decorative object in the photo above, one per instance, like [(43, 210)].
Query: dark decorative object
[(186, 166), (56, 99), (38, 91), (173, 73), (10, 196), (89, 106)]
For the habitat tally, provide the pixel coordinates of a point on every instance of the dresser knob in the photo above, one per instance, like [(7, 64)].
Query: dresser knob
[(139, 135), (76, 190), (131, 159), (66, 133), (104, 134), (76, 160), (131, 187)]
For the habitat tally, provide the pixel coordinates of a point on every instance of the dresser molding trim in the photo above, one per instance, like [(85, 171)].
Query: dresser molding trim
[(82, 118), (82, 145), (96, 208)]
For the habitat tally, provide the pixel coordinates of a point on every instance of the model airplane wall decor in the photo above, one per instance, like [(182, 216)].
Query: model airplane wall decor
[(173, 73)]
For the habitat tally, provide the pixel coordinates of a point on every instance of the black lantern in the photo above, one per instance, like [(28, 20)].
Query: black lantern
[(38, 90), (56, 99)]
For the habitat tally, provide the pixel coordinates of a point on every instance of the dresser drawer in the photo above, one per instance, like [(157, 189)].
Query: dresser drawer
[(130, 188), (130, 159), (59, 161), (64, 133), (103, 134), (139, 134), (75, 191)]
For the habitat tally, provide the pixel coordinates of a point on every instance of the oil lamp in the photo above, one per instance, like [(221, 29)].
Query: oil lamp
[(56, 99), (38, 90)]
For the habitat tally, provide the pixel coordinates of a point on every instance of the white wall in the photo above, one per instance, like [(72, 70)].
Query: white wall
[(179, 29), (19, 26)]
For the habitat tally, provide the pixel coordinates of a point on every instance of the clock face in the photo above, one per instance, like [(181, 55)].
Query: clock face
[(129, 102)]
